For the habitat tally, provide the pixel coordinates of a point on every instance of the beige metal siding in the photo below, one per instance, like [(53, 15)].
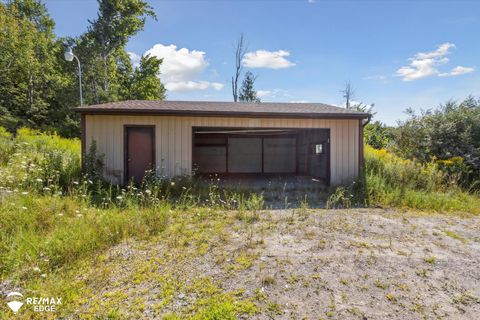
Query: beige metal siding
[(174, 140)]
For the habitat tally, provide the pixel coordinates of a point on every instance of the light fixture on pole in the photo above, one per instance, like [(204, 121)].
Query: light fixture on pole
[(69, 57)]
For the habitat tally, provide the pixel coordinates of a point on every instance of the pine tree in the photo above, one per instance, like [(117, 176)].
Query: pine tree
[(247, 91)]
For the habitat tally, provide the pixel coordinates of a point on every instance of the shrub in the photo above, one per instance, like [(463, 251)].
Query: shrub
[(41, 162), (6, 146), (377, 135), (340, 198), (94, 163), (403, 173), (393, 181), (448, 132)]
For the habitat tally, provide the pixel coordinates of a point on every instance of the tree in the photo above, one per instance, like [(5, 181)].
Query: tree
[(144, 83), (377, 135), (39, 89), (117, 21), (452, 131), (30, 77), (247, 91), (35, 12), (240, 50), (348, 94)]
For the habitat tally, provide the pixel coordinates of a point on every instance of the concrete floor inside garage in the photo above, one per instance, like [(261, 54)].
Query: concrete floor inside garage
[(279, 190)]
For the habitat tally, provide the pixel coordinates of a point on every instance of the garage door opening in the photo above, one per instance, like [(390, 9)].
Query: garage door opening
[(262, 152)]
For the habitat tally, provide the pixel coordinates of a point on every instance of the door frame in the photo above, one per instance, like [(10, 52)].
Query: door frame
[(125, 147)]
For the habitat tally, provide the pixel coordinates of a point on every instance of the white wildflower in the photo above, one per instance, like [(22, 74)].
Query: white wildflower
[(39, 180)]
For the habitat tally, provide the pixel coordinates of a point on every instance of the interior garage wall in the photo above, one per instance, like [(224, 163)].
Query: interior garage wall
[(174, 141), (245, 155), (280, 155), (212, 159)]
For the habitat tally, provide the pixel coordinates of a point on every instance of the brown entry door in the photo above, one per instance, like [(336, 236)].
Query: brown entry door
[(140, 152)]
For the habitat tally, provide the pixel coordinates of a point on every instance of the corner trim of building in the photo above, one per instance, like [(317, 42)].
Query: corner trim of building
[(360, 147), (83, 140)]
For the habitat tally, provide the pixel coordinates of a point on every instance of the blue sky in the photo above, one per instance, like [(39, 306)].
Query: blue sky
[(397, 54)]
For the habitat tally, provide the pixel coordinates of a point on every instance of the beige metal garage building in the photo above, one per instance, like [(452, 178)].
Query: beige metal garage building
[(227, 138)]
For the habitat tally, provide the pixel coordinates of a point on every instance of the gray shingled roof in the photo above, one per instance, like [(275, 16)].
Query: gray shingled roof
[(220, 108)]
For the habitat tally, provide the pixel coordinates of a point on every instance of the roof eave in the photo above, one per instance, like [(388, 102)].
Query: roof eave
[(101, 111)]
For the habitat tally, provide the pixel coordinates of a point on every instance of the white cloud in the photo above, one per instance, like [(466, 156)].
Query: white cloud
[(181, 68), (457, 71), (193, 85), (179, 64), (274, 94), (311, 1), (135, 58), (375, 77), (263, 93), (441, 51), (267, 59), (425, 64), (299, 101)]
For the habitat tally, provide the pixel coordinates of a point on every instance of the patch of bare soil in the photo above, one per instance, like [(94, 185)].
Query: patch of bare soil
[(313, 264)]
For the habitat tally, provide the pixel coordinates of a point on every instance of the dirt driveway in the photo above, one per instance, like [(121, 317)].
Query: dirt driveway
[(304, 264)]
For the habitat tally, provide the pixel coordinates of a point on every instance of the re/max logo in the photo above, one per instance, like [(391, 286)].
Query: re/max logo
[(42, 304)]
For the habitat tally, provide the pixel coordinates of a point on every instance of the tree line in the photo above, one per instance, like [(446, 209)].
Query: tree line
[(39, 89), (448, 136)]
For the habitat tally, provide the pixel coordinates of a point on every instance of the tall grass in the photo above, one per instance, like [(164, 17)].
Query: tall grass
[(38, 161), (48, 164), (51, 215), (40, 234), (392, 181)]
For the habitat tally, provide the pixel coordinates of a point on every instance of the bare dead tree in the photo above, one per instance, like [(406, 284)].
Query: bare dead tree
[(348, 94), (240, 50)]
